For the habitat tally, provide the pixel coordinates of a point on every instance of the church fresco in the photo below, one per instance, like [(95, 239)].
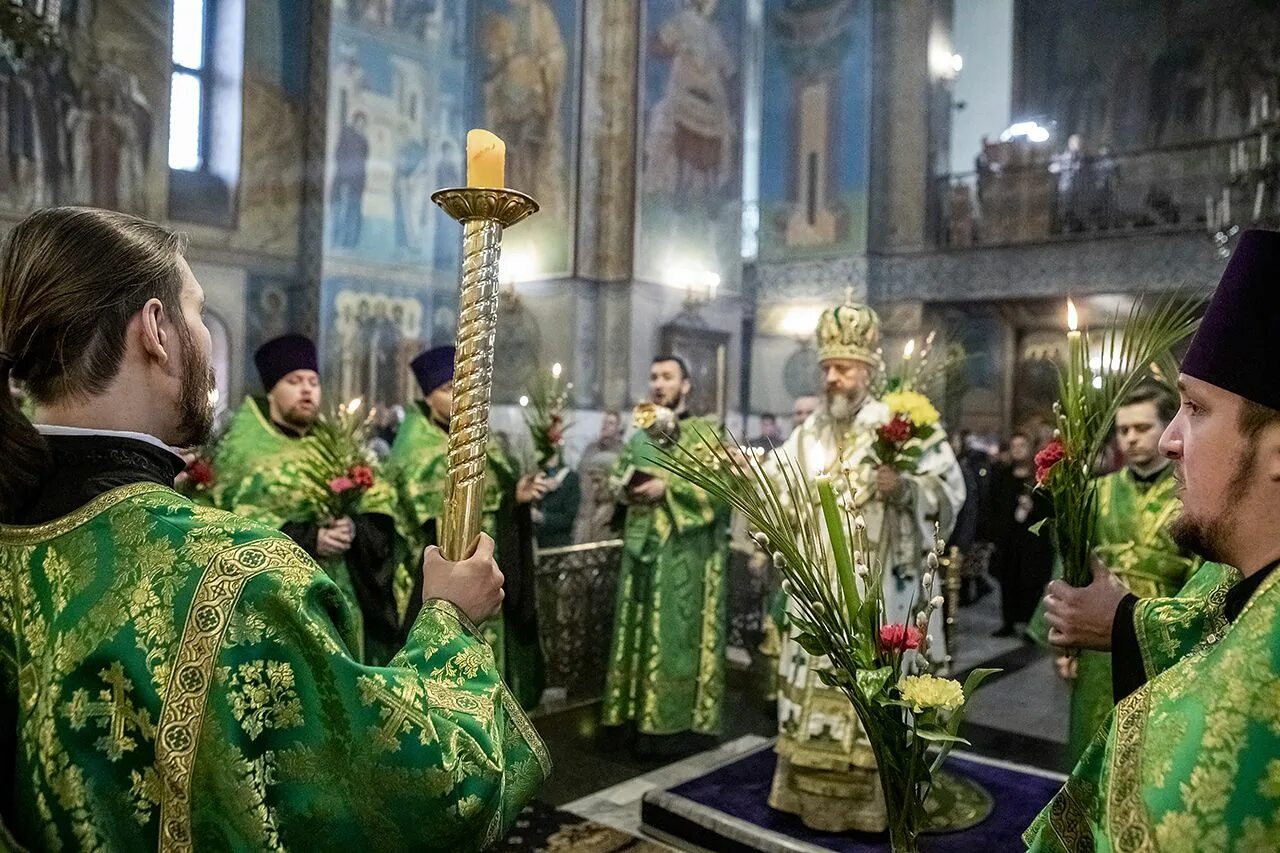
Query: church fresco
[(396, 118), (374, 330), (815, 98), (526, 89), (83, 123), (689, 192), (273, 156)]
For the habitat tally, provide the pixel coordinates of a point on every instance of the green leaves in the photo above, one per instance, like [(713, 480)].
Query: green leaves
[(811, 644), (872, 682), (1088, 398)]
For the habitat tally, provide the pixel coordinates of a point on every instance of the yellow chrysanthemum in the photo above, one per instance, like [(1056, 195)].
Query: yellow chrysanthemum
[(914, 406), (923, 692)]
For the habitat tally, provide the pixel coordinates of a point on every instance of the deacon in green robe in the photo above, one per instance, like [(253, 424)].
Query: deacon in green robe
[(1191, 760), (418, 467), (179, 678), (1135, 506), (258, 468), (666, 660)]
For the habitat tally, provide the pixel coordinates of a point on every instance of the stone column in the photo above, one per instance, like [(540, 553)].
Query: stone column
[(900, 99), (607, 171)]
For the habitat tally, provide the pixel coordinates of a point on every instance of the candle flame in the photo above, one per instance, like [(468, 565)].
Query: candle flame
[(353, 405), (556, 370), (909, 350), (524, 401), (1073, 318)]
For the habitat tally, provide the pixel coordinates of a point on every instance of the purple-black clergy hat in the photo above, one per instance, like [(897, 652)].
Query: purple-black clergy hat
[(279, 357), (1234, 348), (433, 368)]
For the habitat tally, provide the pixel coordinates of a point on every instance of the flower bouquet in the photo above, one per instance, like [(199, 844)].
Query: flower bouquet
[(838, 587), (544, 415), (338, 467), (1089, 393), (900, 440), (198, 478)]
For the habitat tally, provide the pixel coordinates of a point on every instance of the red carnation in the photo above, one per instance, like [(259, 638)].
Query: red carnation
[(338, 485), (200, 471), (1049, 456), (896, 431), (362, 476), (899, 638)]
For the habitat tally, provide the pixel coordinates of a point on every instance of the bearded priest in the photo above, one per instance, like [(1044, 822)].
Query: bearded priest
[(1189, 761), (258, 469), (826, 772), (180, 678)]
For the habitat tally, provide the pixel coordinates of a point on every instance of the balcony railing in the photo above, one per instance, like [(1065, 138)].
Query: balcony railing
[(1029, 200)]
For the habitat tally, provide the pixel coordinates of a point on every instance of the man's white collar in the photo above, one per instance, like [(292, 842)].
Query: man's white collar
[(47, 429)]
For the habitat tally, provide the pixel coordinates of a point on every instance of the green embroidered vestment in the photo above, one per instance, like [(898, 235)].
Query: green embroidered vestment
[(666, 660), (257, 472), (1133, 539), (179, 678), (1190, 762), (419, 468)]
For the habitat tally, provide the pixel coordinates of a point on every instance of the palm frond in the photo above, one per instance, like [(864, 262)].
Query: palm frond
[(1088, 399)]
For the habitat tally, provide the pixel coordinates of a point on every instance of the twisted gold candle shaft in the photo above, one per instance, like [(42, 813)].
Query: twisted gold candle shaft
[(483, 213), (472, 380)]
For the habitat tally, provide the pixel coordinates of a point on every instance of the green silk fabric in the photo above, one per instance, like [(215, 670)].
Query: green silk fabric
[(257, 471), (1133, 540), (419, 469), (666, 659), (180, 678), (1191, 762)]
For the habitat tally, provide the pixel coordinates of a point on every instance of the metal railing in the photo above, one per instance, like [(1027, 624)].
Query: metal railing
[(1033, 198), (576, 588)]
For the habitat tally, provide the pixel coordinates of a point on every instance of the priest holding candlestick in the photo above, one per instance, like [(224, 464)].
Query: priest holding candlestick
[(238, 716)]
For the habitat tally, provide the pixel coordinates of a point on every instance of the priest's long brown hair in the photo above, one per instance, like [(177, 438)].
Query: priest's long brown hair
[(71, 279)]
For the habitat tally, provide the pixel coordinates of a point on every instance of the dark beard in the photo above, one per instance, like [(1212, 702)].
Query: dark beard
[(1198, 537), (298, 422), (195, 411), (1208, 537), (675, 403)]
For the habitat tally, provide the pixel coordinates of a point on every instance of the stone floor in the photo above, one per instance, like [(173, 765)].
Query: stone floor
[(1020, 716)]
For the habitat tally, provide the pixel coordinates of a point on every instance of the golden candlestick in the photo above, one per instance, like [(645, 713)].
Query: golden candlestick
[(483, 213)]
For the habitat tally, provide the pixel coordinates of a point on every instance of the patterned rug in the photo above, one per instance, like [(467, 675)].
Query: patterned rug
[(542, 827)]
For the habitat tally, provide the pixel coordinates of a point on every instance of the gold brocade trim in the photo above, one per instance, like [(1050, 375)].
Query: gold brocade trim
[(1124, 807), (509, 704), (708, 700), (19, 535), (1258, 594), (1067, 820), (527, 732), (453, 611), (186, 692)]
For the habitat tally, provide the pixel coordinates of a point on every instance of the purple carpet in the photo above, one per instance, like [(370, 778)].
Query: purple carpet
[(739, 791)]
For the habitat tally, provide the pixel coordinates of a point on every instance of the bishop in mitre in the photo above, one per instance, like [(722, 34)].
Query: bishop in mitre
[(826, 773)]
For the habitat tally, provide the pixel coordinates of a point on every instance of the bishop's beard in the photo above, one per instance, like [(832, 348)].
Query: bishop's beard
[(843, 406)]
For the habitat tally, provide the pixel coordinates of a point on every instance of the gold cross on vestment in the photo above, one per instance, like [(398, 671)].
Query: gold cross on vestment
[(114, 712), (403, 708)]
